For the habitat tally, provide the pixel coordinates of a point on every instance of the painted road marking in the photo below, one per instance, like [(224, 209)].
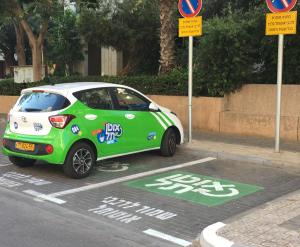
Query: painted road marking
[(130, 177), (16, 179), (195, 188), (127, 211), (3, 165), (44, 197), (167, 237)]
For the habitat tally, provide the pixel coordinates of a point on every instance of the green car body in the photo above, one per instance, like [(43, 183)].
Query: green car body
[(110, 132)]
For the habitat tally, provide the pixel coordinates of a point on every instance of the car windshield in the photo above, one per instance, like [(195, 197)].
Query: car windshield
[(42, 102)]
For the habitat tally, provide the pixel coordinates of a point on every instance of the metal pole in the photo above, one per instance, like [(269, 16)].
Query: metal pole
[(190, 85), (279, 85)]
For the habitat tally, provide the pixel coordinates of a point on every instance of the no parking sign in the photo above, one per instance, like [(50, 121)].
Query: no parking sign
[(189, 8), (277, 6)]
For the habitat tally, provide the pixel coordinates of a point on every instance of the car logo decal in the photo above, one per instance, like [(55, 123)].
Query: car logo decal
[(110, 134), (151, 136), (37, 126), (76, 130), (24, 119)]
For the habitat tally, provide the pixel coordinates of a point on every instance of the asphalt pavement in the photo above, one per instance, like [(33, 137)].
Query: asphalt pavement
[(137, 200)]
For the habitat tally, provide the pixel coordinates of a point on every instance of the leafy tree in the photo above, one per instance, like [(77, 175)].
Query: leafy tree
[(7, 44), (167, 35), (34, 17), (129, 25), (63, 44)]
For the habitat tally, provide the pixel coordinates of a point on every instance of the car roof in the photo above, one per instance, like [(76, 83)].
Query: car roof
[(67, 88)]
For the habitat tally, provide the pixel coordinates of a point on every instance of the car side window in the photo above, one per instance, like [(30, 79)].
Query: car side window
[(98, 98), (130, 100)]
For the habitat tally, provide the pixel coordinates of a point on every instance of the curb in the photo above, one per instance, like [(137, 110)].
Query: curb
[(210, 238), (247, 158)]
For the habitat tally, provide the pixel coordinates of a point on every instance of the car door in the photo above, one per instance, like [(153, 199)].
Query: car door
[(103, 122), (142, 126)]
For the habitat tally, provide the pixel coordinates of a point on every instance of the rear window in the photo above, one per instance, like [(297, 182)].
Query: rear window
[(42, 102)]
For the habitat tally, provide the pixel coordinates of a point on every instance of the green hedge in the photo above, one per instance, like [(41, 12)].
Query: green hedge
[(174, 83)]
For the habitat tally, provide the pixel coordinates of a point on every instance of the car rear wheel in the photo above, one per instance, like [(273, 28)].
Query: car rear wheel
[(21, 162), (80, 161), (168, 144)]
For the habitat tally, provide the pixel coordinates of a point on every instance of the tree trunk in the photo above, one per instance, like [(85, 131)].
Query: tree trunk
[(20, 45), (36, 51), (9, 63), (167, 36)]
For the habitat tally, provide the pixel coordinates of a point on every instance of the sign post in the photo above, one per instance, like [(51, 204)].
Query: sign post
[(191, 46), (280, 22), (190, 26)]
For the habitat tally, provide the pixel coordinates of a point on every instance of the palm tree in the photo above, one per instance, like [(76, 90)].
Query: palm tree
[(167, 36)]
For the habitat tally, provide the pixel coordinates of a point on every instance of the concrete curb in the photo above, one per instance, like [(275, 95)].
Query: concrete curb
[(210, 238), (239, 157)]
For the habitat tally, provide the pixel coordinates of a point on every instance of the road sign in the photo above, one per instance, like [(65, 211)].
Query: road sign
[(281, 23), (276, 6), (195, 188), (190, 26), (189, 8)]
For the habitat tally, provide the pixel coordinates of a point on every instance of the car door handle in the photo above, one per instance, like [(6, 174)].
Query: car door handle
[(130, 116)]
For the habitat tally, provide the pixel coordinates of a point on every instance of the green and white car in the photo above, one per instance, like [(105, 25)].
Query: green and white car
[(77, 124)]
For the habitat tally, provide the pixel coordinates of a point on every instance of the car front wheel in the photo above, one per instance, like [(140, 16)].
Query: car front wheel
[(80, 161), (168, 144)]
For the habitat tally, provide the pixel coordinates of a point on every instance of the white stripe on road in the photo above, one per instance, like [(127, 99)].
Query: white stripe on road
[(44, 197), (130, 177), (159, 120), (3, 165), (167, 237)]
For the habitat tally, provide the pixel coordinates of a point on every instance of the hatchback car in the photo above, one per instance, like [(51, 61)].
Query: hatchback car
[(78, 124)]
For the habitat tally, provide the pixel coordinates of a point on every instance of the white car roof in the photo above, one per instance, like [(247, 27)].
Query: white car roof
[(67, 88)]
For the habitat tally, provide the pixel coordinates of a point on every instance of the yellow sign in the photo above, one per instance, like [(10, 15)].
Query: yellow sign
[(191, 26), (281, 23)]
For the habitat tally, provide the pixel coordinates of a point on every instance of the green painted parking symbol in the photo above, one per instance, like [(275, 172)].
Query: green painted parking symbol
[(196, 188)]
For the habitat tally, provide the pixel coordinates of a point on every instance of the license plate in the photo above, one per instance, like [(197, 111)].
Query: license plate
[(25, 146)]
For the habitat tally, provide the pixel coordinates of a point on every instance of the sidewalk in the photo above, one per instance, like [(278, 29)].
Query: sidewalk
[(274, 224), (251, 149)]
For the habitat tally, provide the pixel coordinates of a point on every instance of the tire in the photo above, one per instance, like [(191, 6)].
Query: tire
[(80, 161), (168, 143), (21, 162)]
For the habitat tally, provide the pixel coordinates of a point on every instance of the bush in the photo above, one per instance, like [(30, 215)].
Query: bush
[(174, 83)]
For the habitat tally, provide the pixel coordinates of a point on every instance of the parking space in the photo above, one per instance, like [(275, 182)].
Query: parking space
[(153, 195)]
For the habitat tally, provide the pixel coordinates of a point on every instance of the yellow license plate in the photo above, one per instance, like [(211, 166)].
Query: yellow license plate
[(25, 146)]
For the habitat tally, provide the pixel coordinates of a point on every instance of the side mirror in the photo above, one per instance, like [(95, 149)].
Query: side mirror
[(153, 107)]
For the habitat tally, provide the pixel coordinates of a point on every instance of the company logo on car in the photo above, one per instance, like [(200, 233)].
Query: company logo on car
[(109, 134), (37, 126), (76, 130)]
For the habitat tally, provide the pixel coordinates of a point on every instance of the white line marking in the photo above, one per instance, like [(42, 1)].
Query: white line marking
[(190, 6), (44, 197), (5, 165), (167, 237), (159, 120), (130, 177), (285, 3)]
